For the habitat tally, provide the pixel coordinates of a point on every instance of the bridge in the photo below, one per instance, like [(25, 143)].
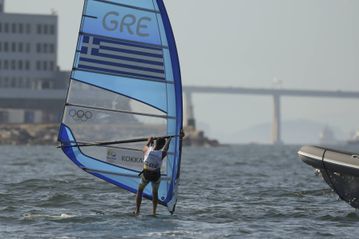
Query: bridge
[(276, 94), (52, 100)]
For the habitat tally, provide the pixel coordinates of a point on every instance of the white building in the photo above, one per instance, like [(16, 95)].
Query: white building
[(28, 57)]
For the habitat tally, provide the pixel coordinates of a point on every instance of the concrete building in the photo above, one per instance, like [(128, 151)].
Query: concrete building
[(28, 59)]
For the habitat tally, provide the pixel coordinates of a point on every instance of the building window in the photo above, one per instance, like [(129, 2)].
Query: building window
[(45, 29), (20, 65), (38, 47), (52, 30), (45, 48), (21, 82), (52, 48), (0, 46), (18, 83), (6, 82), (13, 82), (6, 64), (52, 66), (27, 65), (27, 83), (0, 27), (39, 29), (46, 85), (6, 28), (38, 65), (45, 65), (20, 47), (28, 28), (6, 46), (13, 28), (4, 117), (29, 117), (28, 47), (21, 28), (13, 47), (0, 64), (13, 65), (24, 83)]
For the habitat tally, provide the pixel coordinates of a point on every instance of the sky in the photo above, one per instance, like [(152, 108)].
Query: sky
[(304, 44)]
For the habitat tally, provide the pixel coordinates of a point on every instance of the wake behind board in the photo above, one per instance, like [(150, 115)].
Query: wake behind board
[(125, 86), (339, 169)]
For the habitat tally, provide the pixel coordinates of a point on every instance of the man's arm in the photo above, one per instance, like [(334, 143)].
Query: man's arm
[(148, 144), (165, 148)]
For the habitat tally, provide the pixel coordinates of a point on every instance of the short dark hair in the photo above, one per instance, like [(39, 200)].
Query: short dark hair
[(160, 143)]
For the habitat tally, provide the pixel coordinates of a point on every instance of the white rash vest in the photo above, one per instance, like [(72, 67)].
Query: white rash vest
[(153, 159)]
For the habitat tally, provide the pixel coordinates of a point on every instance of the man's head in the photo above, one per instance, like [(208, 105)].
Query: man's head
[(160, 143)]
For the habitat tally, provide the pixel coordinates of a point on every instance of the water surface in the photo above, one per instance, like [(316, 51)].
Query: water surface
[(247, 191)]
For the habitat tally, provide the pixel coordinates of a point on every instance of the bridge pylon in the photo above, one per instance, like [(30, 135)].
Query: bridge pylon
[(276, 125)]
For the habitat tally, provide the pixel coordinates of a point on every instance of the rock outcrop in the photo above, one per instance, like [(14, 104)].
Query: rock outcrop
[(26, 134)]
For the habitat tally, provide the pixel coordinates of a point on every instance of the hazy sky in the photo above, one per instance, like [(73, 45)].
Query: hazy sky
[(310, 44)]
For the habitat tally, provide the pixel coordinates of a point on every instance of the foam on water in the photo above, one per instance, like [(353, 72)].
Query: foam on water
[(32, 216)]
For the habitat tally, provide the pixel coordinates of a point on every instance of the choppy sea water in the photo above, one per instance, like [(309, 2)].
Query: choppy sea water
[(247, 191)]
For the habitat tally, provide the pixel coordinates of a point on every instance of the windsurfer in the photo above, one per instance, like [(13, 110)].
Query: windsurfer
[(153, 156)]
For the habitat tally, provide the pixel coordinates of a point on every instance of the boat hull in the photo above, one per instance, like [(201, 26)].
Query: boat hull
[(339, 169), (324, 158)]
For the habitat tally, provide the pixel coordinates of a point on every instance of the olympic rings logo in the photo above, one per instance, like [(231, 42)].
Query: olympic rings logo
[(80, 115)]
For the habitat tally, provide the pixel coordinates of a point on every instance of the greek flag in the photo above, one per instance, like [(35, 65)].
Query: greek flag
[(123, 58)]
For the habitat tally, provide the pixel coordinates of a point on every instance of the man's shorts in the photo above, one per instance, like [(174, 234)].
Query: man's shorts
[(144, 182)]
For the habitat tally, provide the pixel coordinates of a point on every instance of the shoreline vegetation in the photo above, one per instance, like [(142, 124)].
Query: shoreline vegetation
[(46, 134)]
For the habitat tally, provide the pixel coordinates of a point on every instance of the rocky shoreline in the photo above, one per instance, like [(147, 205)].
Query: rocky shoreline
[(28, 134), (197, 138), (46, 134)]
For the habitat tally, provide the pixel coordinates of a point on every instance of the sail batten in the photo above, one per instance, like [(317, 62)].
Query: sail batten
[(126, 41), (125, 86), (122, 4), (122, 111)]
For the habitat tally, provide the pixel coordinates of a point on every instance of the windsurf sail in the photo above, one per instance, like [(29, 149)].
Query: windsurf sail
[(125, 86)]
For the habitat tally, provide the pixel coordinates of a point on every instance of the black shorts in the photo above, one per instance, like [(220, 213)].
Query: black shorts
[(152, 176)]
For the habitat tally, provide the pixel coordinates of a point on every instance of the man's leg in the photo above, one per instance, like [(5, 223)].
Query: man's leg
[(141, 187), (155, 187)]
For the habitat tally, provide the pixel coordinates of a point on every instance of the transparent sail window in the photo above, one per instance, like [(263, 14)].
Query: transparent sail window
[(87, 95)]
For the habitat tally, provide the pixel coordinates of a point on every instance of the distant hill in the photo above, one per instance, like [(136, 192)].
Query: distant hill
[(293, 132)]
